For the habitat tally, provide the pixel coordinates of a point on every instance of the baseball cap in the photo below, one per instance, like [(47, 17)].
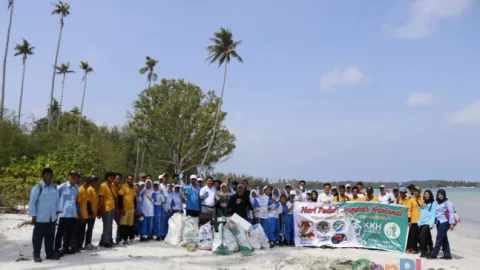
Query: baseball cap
[(402, 189), (334, 187), (410, 186), (288, 185), (395, 188), (199, 179), (293, 193), (142, 175), (141, 183), (382, 186), (369, 189), (72, 173), (240, 186), (156, 183), (178, 186), (160, 176), (347, 185), (417, 188), (193, 176)]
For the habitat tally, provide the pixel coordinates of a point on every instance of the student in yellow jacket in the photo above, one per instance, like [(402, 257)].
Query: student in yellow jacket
[(414, 207)]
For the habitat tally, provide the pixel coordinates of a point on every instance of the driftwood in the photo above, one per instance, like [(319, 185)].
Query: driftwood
[(23, 223)]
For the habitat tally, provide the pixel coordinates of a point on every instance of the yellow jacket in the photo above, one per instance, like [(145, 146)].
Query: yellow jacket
[(414, 209)]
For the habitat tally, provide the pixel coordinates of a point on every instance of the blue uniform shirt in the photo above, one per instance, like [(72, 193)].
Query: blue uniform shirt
[(43, 205), (193, 197), (68, 200)]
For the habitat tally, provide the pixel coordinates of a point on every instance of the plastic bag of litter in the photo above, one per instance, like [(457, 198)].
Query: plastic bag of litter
[(224, 237), (190, 231), (205, 234), (261, 239), (175, 230), (241, 222)]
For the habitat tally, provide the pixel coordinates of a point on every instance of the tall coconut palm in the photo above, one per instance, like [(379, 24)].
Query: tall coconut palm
[(149, 66), (62, 9), (75, 110), (151, 77), (24, 50), (86, 69), (63, 70), (4, 74), (222, 50)]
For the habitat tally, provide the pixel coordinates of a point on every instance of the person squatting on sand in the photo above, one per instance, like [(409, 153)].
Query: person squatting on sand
[(142, 209)]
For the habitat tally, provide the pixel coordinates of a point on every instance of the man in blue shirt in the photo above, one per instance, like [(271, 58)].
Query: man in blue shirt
[(192, 192), (43, 208), (67, 194)]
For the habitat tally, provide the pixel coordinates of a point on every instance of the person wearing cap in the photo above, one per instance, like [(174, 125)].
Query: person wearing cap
[(207, 196), (355, 196), (67, 221), (385, 197), (43, 209), (370, 197), (85, 209), (402, 197), (158, 210), (326, 196), (341, 197), (107, 197), (200, 182), (126, 202), (142, 177), (348, 190), (334, 191), (414, 208), (239, 203), (163, 182), (192, 194)]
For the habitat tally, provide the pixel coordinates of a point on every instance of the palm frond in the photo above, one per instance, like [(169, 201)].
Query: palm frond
[(143, 70), (223, 48), (24, 49)]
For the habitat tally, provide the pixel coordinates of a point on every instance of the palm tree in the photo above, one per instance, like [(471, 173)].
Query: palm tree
[(75, 110), (62, 9), (63, 69), (86, 69), (150, 65), (222, 50), (23, 49), (4, 74), (152, 76)]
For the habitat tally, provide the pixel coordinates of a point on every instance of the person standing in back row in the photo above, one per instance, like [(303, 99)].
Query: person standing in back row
[(207, 196), (107, 209), (126, 203), (43, 208), (192, 194)]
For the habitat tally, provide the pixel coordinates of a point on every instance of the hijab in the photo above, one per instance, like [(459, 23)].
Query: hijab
[(221, 193), (316, 197), (442, 191)]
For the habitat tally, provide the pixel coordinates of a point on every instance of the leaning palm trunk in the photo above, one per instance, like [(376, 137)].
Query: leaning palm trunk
[(140, 140), (81, 108), (4, 74), (21, 94), (216, 118), (61, 102), (53, 76), (138, 154)]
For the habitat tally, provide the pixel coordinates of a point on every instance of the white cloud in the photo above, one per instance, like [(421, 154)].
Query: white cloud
[(468, 115), (419, 99), (336, 78), (424, 14)]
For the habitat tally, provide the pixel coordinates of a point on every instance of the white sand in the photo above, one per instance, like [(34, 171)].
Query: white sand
[(16, 243)]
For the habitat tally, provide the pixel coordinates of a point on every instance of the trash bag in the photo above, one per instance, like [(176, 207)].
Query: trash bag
[(224, 238), (254, 238), (190, 231), (175, 230), (205, 234), (241, 222), (262, 238)]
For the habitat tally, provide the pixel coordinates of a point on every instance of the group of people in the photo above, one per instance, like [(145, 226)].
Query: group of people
[(64, 215)]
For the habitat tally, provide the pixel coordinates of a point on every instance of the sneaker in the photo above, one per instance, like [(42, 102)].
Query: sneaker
[(271, 245), (278, 244), (108, 246), (158, 238), (143, 239), (431, 257), (423, 255), (90, 247), (59, 252), (37, 259), (446, 258), (53, 257)]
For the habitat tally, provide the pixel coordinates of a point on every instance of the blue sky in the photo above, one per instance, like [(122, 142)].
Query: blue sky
[(329, 90)]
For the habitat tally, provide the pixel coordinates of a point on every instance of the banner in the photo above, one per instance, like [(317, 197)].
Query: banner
[(352, 224)]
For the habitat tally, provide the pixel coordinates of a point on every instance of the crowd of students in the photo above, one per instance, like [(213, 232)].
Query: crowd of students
[(142, 209)]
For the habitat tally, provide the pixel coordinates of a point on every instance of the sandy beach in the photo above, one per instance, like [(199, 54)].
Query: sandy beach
[(16, 245)]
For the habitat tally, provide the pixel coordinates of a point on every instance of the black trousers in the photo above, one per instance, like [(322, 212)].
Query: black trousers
[(79, 235), (426, 242), (90, 223), (412, 243), (43, 232), (193, 213), (65, 229), (118, 236)]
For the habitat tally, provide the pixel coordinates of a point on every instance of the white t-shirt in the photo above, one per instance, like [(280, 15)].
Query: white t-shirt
[(349, 194), (325, 198), (212, 192), (163, 187), (289, 206), (263, 203), (388, 198)]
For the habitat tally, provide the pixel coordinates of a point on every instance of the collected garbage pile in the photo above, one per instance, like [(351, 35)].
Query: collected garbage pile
[(229, 235)]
